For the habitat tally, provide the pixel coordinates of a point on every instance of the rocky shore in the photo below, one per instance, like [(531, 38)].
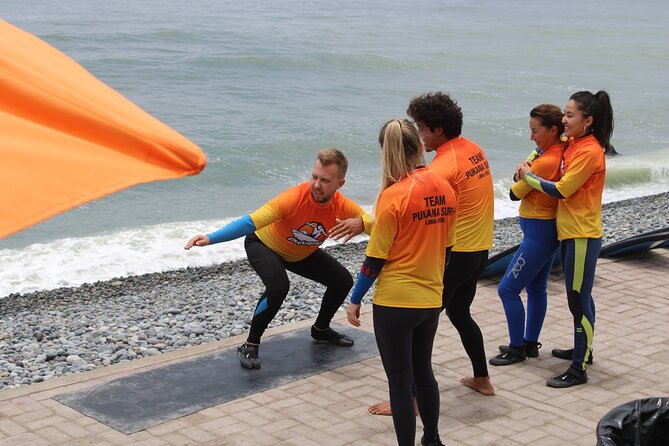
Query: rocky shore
[(70, 330)]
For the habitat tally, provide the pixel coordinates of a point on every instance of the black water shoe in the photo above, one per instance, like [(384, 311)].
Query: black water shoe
[(512, 355), (531, 348), (433, 442), (572, 377), (248, 356), (331, 336)]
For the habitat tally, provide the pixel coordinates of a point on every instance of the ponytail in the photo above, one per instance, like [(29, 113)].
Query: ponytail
[(393, 157), (401, 151), (598, 106)]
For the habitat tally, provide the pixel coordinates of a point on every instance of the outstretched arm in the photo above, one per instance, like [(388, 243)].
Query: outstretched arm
[(238, 228)]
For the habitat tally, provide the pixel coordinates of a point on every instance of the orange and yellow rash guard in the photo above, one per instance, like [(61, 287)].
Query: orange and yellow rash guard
[(536, 204), (412, 221), (463, 163), (294, 225), (579, 213)]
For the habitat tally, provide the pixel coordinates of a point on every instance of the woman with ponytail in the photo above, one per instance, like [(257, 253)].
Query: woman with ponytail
[(588, 121), (414, 212)]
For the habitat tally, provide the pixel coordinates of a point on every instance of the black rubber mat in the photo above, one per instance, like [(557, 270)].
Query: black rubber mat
[(139, 401)]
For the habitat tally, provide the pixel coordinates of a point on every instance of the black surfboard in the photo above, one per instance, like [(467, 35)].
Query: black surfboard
[(643, 242), (498, 263)]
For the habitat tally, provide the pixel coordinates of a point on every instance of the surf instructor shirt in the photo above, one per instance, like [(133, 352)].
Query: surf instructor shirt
[(294, 225), (413, 218), (463, 163)]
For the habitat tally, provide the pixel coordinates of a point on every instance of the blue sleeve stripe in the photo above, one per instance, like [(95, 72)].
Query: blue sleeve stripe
[(547, 187), (238, 228)]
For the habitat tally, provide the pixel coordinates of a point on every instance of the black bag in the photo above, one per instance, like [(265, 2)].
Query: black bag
[(643, 422)]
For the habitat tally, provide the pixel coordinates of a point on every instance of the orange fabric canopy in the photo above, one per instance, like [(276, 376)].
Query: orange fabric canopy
[(66, 138)]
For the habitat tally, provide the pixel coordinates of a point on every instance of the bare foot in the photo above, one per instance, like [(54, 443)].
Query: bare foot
[(480, 384), (383, 408)]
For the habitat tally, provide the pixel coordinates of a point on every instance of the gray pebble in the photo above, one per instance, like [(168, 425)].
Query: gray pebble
[(47, 334)]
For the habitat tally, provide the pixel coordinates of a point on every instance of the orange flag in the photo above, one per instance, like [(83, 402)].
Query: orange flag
[(66, 138)]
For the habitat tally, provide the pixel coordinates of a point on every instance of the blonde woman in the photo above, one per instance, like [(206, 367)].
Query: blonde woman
[(414, 212)]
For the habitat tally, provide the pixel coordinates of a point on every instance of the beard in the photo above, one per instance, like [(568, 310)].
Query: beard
[(319, 197)]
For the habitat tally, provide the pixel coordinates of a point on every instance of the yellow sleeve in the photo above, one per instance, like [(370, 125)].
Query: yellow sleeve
[(532, 156), (521, 188), (368, 222)]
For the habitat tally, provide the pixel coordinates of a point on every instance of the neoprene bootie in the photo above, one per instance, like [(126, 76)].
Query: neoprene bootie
[(511, 355), (433, 442), (531, 348)]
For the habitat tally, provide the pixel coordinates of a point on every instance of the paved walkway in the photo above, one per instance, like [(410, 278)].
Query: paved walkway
[(631, 362)]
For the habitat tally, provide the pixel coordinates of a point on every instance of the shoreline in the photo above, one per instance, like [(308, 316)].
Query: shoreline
[(63, 331)]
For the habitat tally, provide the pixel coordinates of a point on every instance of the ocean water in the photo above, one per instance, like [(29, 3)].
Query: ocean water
[(261, 87)]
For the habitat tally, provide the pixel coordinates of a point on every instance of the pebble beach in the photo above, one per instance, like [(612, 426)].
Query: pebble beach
[(58, 332)]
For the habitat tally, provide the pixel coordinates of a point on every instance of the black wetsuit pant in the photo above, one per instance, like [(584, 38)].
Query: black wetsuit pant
[(319, 266), (405, 337), (462, 272)]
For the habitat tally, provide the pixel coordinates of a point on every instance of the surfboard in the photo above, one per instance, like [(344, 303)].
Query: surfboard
[(659, 238), (498, 263), (643, 242)]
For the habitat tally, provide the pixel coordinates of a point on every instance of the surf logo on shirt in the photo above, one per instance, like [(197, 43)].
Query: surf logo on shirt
[(480, 168), (309, 234), (436, 210)]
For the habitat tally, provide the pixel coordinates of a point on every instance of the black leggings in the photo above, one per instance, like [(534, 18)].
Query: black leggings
[(460, 276), (405, 337), (319, 266)]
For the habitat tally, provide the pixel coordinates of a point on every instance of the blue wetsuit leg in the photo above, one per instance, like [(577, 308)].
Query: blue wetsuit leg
[(529, 268), (537, 301)]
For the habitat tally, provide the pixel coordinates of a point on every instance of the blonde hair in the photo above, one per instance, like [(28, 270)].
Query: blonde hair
[(401, 152), (331, 155)]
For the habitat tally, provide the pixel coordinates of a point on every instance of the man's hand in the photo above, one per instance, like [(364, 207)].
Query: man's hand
[(353, 314), (198, 240), (347, 229)]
